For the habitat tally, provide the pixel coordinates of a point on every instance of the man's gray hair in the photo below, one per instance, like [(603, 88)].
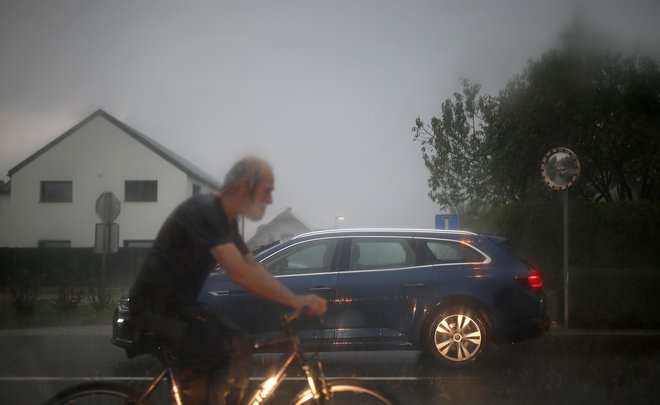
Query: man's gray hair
[(250, 167)]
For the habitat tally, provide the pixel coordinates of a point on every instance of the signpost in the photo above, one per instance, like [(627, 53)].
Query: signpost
[(106, 238), (560, 169), (108, 208)]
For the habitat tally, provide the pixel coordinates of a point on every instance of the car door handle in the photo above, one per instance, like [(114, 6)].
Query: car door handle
[(224, 293), (320, 289), (413, 285)]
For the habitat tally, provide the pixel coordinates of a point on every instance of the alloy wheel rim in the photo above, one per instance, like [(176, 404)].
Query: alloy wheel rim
[(457, 337)]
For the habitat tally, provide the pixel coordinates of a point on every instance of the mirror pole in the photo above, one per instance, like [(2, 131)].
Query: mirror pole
[(566, 278)]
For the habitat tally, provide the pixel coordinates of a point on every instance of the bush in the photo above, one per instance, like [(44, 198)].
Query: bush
[(69, 292), (100, 298), (614, 298), (614, 261), (24, 288)]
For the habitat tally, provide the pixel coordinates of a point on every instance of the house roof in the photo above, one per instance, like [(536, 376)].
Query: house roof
[(287, 215), (167, 154), (284, 216)]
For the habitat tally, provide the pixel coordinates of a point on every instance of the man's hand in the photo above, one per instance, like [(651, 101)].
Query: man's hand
[(315, 305)]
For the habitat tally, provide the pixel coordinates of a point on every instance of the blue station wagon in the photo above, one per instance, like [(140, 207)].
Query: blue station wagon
[(449, 293)]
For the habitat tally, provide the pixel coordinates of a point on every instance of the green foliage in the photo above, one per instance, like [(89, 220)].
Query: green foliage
[(24, 289), (100, 298), (67, 299), (592, 102), (69, 290), (621, 234), (615, 298), (603, 106), (453, 149), (614, 260), (44, 314)]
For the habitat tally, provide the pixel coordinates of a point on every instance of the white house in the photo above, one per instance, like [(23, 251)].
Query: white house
[(284, 226), (51, 197)]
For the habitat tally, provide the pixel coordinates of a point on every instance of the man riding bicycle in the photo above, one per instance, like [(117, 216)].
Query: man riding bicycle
[(214, 354)]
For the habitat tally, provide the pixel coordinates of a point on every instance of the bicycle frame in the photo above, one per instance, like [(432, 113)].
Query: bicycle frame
[(268, 386), (315, 377), (169, 373), (315, 380)]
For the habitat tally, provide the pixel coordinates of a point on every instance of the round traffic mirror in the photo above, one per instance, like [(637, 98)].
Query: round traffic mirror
[(560, 168)]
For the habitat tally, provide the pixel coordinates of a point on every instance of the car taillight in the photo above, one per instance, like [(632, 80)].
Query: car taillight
[(534, 279)]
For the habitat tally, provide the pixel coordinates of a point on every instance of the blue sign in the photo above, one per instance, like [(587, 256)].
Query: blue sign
[(446, 221)]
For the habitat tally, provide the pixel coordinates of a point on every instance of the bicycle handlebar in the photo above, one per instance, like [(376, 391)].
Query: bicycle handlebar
[(292, 316)]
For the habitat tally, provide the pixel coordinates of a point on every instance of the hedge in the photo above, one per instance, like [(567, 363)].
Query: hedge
[(50, 267), (614, 257)]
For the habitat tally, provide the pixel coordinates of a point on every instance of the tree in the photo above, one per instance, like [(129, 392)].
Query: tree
[(453, 149), (603, 106)]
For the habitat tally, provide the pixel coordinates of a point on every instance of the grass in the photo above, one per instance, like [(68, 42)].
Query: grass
[(46, 315)]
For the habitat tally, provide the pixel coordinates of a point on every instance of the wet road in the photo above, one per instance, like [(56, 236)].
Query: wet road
[(560, 368)]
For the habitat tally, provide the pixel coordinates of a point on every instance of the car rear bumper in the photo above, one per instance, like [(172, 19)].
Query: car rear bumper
[(529, 329)]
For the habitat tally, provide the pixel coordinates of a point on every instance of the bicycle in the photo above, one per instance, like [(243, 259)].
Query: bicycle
[(320, 390)]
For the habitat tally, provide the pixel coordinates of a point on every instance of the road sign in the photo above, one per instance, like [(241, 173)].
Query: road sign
[(108, 207), (446, 221)]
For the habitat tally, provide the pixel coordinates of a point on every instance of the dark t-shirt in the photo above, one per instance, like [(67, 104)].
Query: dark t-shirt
[(179, 262)]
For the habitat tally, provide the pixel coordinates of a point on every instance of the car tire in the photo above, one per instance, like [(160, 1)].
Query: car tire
[(457, 336)]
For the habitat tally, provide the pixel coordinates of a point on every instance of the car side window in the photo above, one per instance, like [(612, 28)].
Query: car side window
[(380, 253), (444, 251), (307, 257)]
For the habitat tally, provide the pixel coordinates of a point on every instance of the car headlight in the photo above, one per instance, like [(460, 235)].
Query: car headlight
[(124, 304)]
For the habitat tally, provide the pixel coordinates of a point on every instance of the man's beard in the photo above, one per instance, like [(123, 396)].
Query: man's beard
[(255, 211)]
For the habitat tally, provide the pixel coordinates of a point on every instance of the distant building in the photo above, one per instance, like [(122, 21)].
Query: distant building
[(284, 226), (50, 199)]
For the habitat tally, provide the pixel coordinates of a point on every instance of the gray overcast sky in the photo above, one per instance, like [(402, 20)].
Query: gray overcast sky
[(328, 91)]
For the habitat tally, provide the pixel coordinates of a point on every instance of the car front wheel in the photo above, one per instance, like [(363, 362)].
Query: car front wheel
[(457, 336)]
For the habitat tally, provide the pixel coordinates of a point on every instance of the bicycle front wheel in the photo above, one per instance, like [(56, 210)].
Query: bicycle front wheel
[(96, 393), (347, 392)]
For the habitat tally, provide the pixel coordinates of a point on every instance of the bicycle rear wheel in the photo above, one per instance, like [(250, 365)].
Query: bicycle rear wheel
[(96, 393), (347, 391)]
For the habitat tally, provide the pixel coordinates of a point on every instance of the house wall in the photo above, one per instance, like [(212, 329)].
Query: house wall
[(98, 157)]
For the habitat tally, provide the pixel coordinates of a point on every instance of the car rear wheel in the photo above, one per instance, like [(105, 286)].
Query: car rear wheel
[(457, 336)]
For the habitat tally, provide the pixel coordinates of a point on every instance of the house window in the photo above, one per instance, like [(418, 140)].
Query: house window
[(141, 190), (138, 243), (54, 244), (196, 189), (56, 191)]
